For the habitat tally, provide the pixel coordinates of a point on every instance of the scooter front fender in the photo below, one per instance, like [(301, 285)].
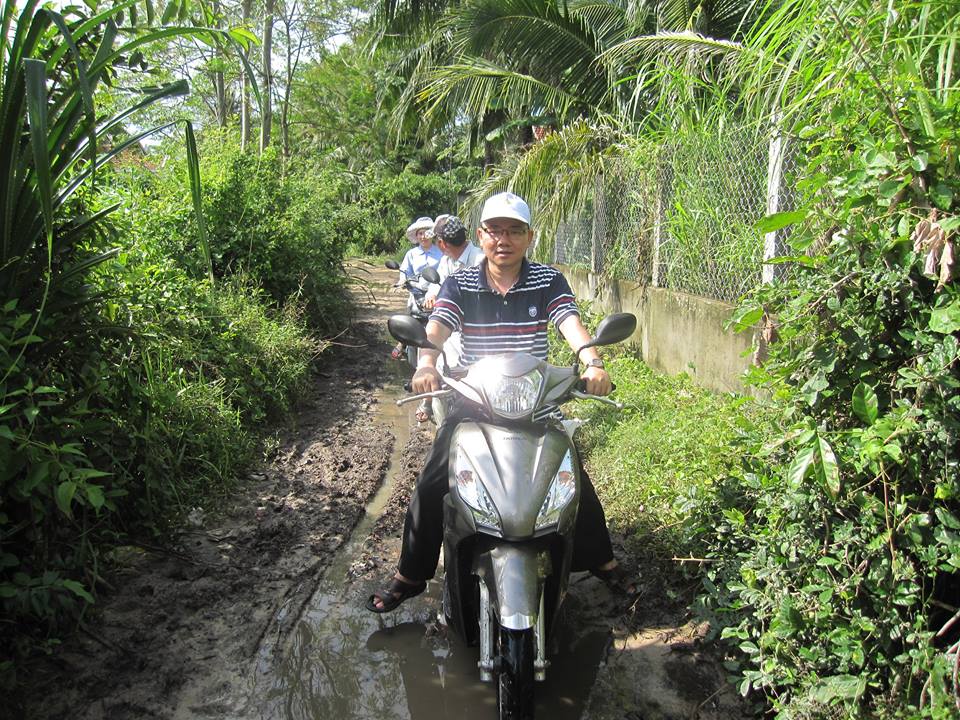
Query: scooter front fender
[(513, 574)]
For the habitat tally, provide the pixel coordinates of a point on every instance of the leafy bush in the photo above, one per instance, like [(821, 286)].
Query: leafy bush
[(285, 227), (838, 547), (55, 348), (388, 205), (129, 430), (671, 441), (130, 389), (209, 369)]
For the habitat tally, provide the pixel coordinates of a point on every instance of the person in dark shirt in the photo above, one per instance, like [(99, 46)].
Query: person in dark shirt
[(504, 304)]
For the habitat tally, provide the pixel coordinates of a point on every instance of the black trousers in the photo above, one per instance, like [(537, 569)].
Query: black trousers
[(423, 526)]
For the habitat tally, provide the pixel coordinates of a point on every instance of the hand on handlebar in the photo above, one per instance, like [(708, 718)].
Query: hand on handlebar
[(426, 379), (428, 301), (596, 381)]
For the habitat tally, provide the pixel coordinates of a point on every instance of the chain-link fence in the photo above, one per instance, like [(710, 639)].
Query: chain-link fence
[(684, 216)]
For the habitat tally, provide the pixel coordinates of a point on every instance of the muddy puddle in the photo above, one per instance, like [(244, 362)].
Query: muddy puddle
[(341, 661)]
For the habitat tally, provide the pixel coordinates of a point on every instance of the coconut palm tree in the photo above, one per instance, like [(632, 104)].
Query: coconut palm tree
[(507, 66)]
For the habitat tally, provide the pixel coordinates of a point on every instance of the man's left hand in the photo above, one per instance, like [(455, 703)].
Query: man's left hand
[(597, 381)]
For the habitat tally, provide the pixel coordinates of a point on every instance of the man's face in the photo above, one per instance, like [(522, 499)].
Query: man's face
[(444, 247), (504, 241)]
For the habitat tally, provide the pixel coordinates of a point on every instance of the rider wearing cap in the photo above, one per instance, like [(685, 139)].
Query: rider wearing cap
[(458, 253), (504, 304), (450, 234)]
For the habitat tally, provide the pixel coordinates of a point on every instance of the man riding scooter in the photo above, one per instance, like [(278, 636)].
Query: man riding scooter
[(450, 235), (504, 304)]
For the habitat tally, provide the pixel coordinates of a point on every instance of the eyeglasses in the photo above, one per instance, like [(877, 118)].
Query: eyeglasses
[(514, 233)]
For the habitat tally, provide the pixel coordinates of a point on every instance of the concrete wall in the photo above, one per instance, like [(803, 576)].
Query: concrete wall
[(676, 332)]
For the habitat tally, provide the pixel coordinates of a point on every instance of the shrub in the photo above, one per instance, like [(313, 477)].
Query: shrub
[(130, 389), (838, 545), (659, 457), (388, 205), (281, 226)]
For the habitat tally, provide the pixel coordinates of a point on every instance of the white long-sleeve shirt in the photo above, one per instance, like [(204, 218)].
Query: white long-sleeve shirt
[(471, 255)]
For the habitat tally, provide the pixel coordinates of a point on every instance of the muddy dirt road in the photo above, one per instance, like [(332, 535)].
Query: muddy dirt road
[(255, 611)]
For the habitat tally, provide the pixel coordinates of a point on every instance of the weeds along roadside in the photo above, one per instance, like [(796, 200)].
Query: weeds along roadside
[(146, 399), (654, 462)]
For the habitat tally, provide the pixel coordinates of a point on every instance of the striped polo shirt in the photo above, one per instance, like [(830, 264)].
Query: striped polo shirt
[(516, 322)]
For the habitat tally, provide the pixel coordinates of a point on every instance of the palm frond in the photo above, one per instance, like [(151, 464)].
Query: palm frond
[(667, 47), (556, 175), (474, 85), (535, 38), (609, 21)]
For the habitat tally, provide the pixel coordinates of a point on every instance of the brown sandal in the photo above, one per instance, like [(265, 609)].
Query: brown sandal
[(393, 594)]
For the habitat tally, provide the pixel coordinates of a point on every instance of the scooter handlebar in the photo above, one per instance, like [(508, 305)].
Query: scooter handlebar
[(422, 396), (581, 386), (599, 398)]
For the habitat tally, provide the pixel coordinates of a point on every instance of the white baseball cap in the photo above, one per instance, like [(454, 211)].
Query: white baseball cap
[(505, 205)]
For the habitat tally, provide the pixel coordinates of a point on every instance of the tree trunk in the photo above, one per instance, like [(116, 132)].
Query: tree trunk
[(219, 87), (491, 120), (245, 87), (285, 101), (267, 112)]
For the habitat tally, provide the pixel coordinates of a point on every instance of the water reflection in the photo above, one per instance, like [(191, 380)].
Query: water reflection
[(442, 682)]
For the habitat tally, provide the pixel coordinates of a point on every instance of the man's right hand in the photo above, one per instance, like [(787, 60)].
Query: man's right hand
[(425, 379)]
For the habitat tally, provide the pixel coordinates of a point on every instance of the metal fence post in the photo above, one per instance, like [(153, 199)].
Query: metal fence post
[(771, 246), (599, 226), (658, 217)]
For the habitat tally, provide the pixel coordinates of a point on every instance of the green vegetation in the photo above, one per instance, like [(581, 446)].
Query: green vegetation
[(655, 459), (838, 547), (835, 576), (160, 303), (142, 345), (262, 219)]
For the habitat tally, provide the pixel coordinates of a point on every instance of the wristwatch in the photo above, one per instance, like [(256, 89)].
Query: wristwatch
[(595, 362)]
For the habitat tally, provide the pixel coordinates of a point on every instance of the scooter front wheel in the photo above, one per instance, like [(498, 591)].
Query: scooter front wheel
[(516, 678)]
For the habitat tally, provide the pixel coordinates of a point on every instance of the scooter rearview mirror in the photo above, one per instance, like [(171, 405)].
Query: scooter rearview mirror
[(430, 275), (409, 331), (615, 328), (612, 329), (392, 264)]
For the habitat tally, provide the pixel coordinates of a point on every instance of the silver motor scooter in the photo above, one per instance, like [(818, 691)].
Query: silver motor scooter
[(510, 512)]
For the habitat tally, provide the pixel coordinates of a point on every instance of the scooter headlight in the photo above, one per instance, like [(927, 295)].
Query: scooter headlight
[(513, 397), (473, 493), (559, 495)]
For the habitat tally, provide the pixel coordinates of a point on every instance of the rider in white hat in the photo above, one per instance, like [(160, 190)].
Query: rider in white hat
[(423, 254)]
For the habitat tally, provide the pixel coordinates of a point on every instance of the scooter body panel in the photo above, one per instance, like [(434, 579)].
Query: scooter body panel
[(522, 567), (516, 465)]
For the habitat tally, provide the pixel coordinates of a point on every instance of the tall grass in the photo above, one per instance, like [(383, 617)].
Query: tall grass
[(129, 391)]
